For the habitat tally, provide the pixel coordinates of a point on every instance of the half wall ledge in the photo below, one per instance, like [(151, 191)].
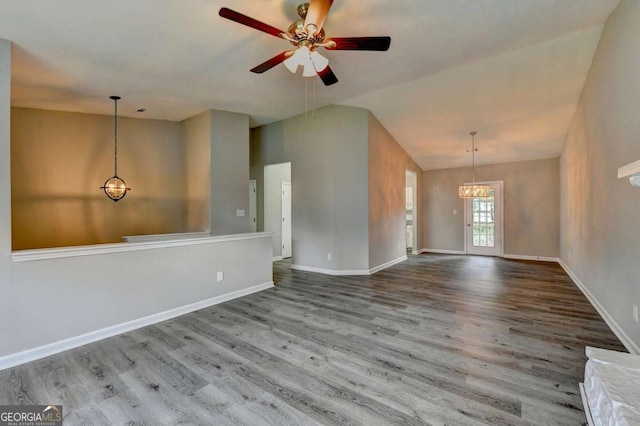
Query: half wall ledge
[(98, 249)]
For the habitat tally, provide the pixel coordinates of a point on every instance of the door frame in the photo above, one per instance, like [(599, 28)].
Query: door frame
[(464, 222), (286, 209)]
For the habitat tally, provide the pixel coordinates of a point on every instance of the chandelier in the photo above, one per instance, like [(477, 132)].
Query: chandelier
[(472, 190), (114, 187)]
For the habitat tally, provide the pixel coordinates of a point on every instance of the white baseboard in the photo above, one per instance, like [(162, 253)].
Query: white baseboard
[(340, 272), (429, 250), (276, 258), (13, 360), (415, 251), (631, 346), (506, 256), (538, 258), (336, 272), (388, 264)]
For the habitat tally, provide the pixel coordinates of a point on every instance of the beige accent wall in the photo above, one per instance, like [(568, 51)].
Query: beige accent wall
[(531, 207), (600, 214), (196, 140), (59, 161), (388, 164)]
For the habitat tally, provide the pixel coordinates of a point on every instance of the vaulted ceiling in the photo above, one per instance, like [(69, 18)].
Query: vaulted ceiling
[(511, 69)]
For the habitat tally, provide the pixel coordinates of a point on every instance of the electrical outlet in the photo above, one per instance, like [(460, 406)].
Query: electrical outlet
[(635, 313), (455, 212), (328, 256), (569, 255), (220, 276)]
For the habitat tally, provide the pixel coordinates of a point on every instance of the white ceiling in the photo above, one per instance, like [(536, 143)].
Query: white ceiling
[(511, 69)]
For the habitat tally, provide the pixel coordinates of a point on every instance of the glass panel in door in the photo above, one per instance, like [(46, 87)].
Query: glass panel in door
[(484, 223)]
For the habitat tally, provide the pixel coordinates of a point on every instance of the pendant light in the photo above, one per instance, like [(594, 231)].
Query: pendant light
[(114, 187), (472, 190)]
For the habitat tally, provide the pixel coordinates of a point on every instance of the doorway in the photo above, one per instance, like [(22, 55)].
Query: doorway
[(274, 177), (411, 211), (483, 223)]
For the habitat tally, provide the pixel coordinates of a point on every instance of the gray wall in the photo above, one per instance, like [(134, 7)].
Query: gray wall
[(196, 189), (58, 299), (229, 172), (599, 213), (388, 164), (59, 160), (531, 206), (328, 155)]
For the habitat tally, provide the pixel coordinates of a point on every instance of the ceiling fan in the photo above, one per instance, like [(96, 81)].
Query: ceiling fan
[(307, 35)]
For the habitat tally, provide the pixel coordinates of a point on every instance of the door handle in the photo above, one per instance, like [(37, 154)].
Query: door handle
[(468, 224)]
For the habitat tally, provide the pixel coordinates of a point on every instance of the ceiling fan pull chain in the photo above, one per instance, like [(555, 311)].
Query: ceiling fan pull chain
[(313, 98), (306, 98)]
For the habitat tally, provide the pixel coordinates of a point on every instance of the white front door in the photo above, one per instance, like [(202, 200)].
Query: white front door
[(286, 219), (252, 205), (484, 223)]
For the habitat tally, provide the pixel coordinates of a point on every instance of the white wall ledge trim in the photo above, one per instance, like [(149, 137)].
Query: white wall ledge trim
[(74, 342), (98, 249)]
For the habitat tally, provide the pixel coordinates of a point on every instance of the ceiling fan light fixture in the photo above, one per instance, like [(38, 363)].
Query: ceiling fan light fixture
[(300, 57), (308, 70), (292, 63), (304, 57), (320, 63)]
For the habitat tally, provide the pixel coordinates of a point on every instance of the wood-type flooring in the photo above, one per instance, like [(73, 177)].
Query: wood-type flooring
[(438, 339)]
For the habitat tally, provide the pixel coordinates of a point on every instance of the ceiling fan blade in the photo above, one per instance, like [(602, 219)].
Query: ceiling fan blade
[(267, 65), (317, 13), (250, 22), (358, 43), (328, 77)]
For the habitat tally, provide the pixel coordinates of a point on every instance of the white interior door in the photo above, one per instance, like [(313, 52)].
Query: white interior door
[(253, 205), (484, 223), (286, 219)]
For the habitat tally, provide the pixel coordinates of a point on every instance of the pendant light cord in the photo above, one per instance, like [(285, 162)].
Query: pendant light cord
[(115, 137), (473, 156)]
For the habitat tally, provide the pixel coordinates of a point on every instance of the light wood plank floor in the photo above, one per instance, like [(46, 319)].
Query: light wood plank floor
[(439, 339)]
